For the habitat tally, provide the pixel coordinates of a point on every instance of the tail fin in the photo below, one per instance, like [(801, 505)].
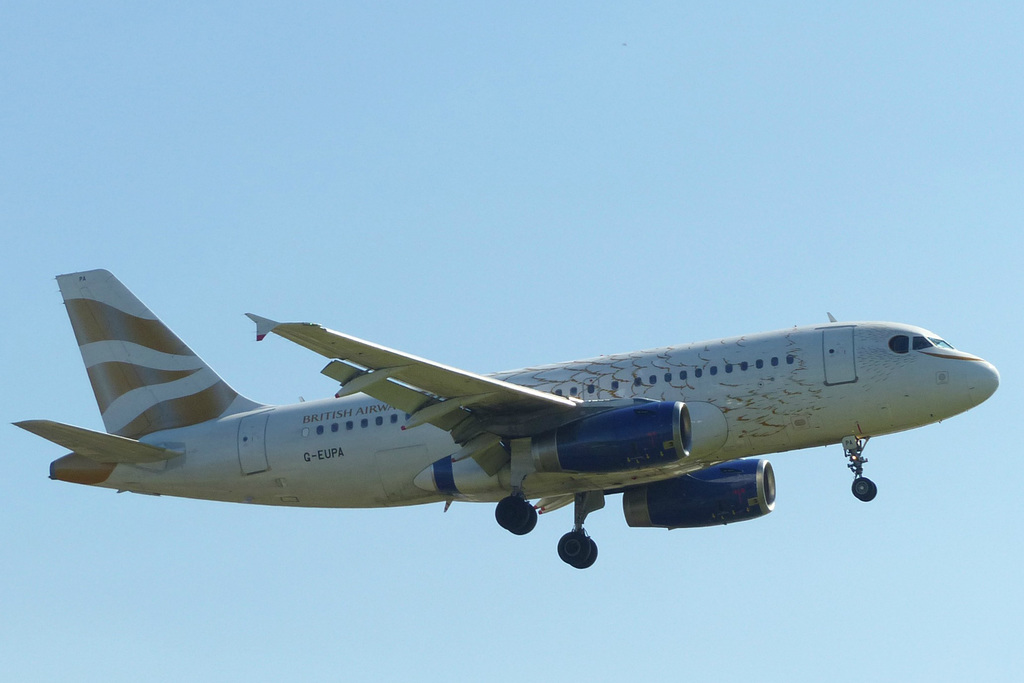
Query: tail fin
[(144, 377)]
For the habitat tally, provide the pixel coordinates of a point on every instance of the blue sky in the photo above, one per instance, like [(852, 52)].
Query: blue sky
[(492, 187)]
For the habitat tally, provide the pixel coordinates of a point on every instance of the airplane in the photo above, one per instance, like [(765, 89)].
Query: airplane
[(677, 431)]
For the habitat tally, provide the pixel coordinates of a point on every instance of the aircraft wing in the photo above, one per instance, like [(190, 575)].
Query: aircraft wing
[(97, 446), (430, 392)]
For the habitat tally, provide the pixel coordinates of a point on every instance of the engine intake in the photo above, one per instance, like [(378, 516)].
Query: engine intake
[(722, 494), (630, 438)]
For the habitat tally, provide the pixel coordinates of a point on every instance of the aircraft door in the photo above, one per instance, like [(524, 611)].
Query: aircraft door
[(837, 345), (252, 446)]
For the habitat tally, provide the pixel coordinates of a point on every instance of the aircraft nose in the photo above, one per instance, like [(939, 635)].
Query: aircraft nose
[(984, 381)]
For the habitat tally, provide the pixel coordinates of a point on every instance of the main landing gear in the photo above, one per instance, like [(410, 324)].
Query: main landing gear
[(576, 548), (516, 514), (863, 488)]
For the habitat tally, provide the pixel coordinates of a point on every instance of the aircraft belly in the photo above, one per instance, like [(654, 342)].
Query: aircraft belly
[(339, 475), (396, 470)]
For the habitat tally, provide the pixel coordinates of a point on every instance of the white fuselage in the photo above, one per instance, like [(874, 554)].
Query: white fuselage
[(747, 396)]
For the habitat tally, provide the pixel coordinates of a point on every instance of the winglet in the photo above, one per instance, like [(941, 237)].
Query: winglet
[(264, 326)]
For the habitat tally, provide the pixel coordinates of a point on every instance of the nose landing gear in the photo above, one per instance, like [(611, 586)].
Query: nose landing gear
[(863, 488)]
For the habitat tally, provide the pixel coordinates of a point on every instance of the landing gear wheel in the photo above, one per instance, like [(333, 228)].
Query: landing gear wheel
[(864, 489), (577, 549), (593, 555), (515, 514)]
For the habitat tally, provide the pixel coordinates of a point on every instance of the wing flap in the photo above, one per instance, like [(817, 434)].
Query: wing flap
[(414, 402), (403, 398), (97, 446)]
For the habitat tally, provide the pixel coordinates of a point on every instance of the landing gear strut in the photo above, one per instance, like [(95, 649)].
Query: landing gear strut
[(515, 514), (863, 488), (576, 548)]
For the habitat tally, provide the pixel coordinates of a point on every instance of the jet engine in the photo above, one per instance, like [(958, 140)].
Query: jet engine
[(730, 492), (634, 437)]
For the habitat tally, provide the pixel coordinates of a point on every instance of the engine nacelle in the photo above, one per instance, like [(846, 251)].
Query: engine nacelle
[(730, 492), (634, 437)]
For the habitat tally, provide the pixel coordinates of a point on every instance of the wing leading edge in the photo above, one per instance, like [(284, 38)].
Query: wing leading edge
[(430, 392)]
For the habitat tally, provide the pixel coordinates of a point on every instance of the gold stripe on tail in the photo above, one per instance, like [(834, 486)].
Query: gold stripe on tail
[(144, 377), (94, 321)]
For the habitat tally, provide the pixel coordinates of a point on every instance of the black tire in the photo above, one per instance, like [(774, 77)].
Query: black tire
[(593, 556), (528, 523), (515, 515), (575, 549), (864, 489)]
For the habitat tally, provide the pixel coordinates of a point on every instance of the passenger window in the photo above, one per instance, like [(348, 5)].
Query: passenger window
[(573, 391), (615, 385), (590, 388), (682, 375), (394, 418), (728, 367), (714, 369), (775, 361), (334, 426), (558, 392), (654, 379), (759, 364), (379, 420), (744, 365), (698, 372), (319, 430), (637, 381), (668, 376), (900, 343), (364, 422), (790, 359), (349, 425)]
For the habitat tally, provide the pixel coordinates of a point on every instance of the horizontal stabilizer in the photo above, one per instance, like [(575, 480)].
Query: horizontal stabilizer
[(97, 446)]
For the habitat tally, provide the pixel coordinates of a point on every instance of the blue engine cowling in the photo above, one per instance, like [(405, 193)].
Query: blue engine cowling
[(730, 492), (634, 437)]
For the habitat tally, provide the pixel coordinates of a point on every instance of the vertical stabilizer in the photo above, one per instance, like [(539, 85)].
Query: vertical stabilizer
[(144, 377)]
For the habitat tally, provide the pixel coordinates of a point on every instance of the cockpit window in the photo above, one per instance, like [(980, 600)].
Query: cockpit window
[(902, 343)]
